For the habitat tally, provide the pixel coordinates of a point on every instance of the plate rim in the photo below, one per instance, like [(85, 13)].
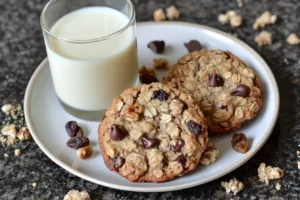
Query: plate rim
[(82, 175)]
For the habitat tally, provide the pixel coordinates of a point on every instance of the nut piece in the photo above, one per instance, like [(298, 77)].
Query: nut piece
[(24, 134), (133, 111), (17, 152), (265, 19), (233, 185), (293, 39), (239, 143), (160, 63), (210, 154), (264, 38), (85, 152), (268, 173), (76, 195), (231, 16), (173, 13), (159, 15)]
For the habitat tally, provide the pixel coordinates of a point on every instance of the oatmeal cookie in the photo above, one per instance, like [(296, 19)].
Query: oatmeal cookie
[(227, 91), (152, 133)]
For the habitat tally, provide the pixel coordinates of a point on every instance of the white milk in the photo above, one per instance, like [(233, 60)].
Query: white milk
[(88, 76)]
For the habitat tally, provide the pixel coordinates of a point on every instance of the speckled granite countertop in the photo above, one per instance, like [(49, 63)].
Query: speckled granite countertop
[(22, 49)]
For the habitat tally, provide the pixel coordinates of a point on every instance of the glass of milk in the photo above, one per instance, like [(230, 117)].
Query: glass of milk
[(92, 51)]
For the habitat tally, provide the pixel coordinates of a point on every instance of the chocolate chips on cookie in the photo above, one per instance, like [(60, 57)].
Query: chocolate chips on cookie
[(164, 136), (226, 89)]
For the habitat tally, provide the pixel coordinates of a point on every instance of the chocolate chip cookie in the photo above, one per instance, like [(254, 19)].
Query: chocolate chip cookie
[(227, 91), (152, 133)]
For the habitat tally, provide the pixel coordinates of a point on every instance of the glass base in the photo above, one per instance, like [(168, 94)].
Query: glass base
[(85, 115)]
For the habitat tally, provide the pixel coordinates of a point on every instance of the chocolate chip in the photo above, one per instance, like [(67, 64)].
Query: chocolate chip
[(216, 80), (241, 91), (72, 128), (181, 159), (117, 132), (160, 95), (157, 46), (78, 142), (193, 45), (150, 142), (195, 128), (118, 162), (147, 79), (178, 146)]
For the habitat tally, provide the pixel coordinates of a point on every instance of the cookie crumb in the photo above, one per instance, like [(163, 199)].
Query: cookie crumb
[(17, 152), (159, 15), (278, 186), (267, 173), (233, 185), (23, 134), (264, 38), (173, 13), (160, 63), (298, 153), (240, 3), (34, 185), (265, 19), (9, 130), (231, 17), (7, 108), (76, 195), (293, 39), (210, 154), (6, 155), (298, 163)]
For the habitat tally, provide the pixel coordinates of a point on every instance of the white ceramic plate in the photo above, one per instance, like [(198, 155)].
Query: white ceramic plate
[(46, 118)]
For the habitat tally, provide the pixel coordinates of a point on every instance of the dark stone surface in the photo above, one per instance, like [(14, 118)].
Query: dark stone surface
[(22, 49)]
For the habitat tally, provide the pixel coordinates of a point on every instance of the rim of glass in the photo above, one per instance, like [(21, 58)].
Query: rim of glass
[(42, 18)]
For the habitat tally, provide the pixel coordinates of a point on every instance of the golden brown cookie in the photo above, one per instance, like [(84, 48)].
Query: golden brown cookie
[(152, 133), (227, 91)]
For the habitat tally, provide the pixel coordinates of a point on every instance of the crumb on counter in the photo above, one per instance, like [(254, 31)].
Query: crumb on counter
[(233, 185), (231, 17), (6, 155), (173, 13), (265, 19), (267, 173), (298, 163), (160, 63), (76, 195), (240, 3), (34, 185), (210, 154), (17, 152), (278, 186), (293, 39), (159, 15), (264, 38)]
